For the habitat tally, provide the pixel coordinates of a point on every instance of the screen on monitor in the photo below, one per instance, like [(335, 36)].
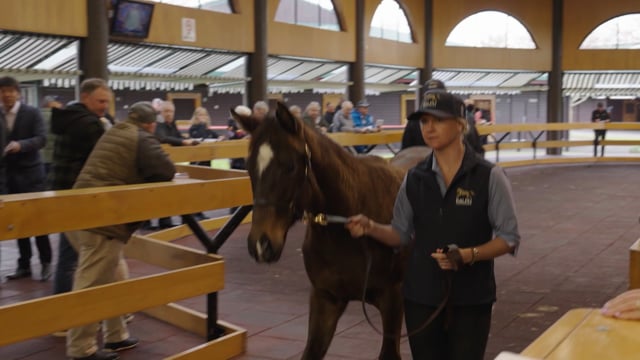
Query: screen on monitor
[(131, 19)]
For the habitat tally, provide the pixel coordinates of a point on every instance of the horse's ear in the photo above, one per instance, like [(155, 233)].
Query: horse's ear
[(286, 119), (242, 115)]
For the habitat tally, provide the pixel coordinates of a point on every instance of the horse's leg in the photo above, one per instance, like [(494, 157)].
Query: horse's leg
[(391, 309), (324, 312)]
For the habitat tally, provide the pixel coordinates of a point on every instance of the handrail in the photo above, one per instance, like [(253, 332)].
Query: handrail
[(506, 129)]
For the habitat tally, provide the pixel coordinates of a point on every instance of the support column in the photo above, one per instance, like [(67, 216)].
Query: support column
[(426, 72), (356, 69), (256, 89), (92, 55), (554, 94)]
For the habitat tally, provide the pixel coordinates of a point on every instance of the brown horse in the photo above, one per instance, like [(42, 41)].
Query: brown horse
[(294, 169)]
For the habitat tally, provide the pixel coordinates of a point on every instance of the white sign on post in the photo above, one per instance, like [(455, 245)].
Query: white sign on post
[(188, 29)]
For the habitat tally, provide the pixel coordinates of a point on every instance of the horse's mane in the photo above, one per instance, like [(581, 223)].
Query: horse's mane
[(349, 182)]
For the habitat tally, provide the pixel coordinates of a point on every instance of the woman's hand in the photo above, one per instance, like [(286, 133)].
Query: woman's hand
[(442, 259), (624, 306), (359, 225)]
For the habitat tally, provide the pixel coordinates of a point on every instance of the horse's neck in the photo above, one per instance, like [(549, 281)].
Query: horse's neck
[(328, 167)]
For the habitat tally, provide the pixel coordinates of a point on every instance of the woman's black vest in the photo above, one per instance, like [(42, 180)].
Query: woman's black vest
[(461, 218)]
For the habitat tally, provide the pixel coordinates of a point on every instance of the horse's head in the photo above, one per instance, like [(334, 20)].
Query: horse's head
[(278, 163)]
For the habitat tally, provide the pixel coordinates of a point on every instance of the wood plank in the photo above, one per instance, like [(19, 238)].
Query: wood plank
[(588, 336), (504, 128), (634, 265), (64, 311), (620, 142), (558, 332), (180, 316), (58, 211), (208, 151), (226, 347), (563, 143), (382, 137), (164, 254), (207, 173)]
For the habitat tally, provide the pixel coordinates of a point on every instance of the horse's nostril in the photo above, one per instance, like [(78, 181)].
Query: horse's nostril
[(263, 248)]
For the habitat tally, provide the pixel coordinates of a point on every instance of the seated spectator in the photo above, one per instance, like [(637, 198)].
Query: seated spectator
[(313, 118), (167, 132), (260, 109), (364, 121), (342, 121), (329, 113), (200, 122), (296, 111)]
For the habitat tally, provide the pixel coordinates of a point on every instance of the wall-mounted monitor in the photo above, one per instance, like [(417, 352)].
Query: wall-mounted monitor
[(131, 19)]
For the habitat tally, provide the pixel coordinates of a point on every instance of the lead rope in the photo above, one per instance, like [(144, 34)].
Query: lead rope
[(324, 220)]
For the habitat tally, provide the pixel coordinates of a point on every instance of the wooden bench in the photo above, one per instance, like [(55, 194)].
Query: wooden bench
[(584, 334)]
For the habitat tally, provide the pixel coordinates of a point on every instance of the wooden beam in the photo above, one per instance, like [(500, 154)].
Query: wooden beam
[(177, 315), (226, 347), (634, 265), (58, 211), (45, 315), (165, 254)]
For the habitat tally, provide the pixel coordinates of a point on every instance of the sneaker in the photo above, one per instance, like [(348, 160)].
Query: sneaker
[(45, 273), (100, 355), (121, 345), (61, 333), (20, 274)]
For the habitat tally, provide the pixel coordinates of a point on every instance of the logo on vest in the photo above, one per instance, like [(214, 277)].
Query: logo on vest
[(464, 197)]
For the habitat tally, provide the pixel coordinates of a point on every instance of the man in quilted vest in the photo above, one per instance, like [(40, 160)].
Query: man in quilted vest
[(128, 153)]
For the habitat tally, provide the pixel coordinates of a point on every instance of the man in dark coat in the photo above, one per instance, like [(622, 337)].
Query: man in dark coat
[(25, 137), (77, 127), (3, 143)]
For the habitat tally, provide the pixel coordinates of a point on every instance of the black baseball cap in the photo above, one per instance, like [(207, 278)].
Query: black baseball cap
[(434, 84), (441, 104)]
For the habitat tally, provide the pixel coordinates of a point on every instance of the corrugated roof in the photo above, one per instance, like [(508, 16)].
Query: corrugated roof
[(144, 66)]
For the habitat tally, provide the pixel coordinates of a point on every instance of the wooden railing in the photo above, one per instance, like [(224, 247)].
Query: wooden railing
[(501, 132), (189, 272)]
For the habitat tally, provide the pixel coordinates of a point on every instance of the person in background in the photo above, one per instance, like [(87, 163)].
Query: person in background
[(472, 137), (296, 111), (157, 107), (313, 118), (77, 128), (48, 103), (199, 129), (200, 122), (167, 132), (342, 121), (329, 114), (363, 122), (24, 171), (260, 109), (412, 135), (600, 114), (3, 143), (452, 202), (128, 153)]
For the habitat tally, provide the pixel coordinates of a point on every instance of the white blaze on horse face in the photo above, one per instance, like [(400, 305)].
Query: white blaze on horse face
[(265, 155)]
